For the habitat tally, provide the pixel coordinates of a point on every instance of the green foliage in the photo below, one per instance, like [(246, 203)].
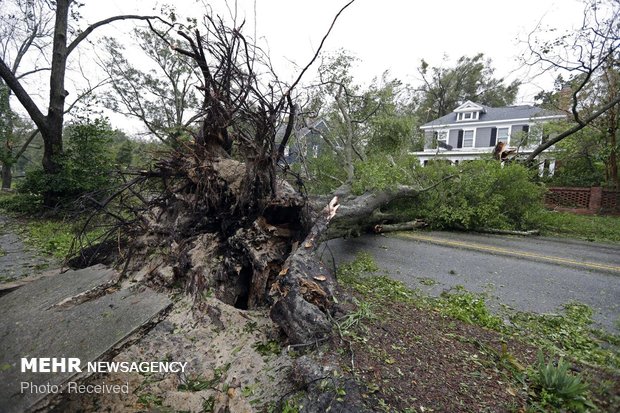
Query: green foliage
[(358, 274), (470, 79), (391, 129), (362, 263), (383, 172), (159, 95), (580, 158), (124, 155), (362, 120), (468, 307), (198, 383), (355, 318), (195, 384), (484, 194), (568, 334), (86, 164), (20, 203), (558, 388), (150, 400), (208, 405), (326, 174), (267, 348), (290, 406)]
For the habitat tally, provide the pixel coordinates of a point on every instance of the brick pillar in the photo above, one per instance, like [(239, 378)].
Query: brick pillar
[(596, 199)]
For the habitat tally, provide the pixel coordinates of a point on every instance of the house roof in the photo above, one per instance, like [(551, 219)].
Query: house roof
[(469, 106), (320, 125), (496, 114)]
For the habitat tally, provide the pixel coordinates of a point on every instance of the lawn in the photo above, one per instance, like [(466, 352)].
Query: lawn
[(586, 227)]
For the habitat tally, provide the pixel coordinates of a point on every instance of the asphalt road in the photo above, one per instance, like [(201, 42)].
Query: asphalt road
[(526, 273)]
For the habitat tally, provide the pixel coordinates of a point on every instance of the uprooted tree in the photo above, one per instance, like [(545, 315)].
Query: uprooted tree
[(219, 215)]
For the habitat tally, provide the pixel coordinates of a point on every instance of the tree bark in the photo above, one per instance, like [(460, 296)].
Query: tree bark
[(7, 175), (360, 214), (52, 137), (304, 290), (402, 226)]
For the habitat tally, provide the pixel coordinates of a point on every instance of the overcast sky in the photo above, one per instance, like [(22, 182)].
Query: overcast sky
[(385, 35)]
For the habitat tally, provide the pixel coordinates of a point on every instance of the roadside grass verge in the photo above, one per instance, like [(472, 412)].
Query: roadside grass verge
[(586, 227), (51, 236), (485, 362)]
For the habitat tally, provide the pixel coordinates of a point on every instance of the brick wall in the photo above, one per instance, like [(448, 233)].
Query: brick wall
[(594, 200)]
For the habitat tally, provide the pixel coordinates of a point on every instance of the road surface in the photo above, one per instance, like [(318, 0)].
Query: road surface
[(526, 273)]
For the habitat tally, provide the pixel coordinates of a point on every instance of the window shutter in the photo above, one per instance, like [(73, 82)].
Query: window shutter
[(459, 142), (493, 137)]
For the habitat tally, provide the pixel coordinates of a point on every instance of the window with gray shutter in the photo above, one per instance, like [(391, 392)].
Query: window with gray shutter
[(493, 137)]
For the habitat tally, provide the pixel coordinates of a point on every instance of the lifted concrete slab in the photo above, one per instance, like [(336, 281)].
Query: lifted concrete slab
[(32, 324)]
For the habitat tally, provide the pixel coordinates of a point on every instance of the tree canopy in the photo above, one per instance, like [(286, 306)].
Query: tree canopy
[(472, 78)]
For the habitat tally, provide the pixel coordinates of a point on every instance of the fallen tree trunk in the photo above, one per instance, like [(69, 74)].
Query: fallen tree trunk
[(304, 289), (361, 214), (403, 226), (508, 231)]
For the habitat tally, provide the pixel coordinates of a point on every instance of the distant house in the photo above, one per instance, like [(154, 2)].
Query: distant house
[(306, 141), (472, 130)]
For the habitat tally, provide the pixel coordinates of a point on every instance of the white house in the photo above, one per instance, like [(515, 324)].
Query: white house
[(472, 130)]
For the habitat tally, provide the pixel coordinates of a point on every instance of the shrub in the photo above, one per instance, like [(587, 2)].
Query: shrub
[(483, 194), (20, 203), (86, 164)]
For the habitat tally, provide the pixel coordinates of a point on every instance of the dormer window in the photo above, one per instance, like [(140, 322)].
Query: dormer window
[(467, 116), (468, 112)]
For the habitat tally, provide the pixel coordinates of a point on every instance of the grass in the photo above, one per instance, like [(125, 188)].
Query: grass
[(586, 227), (51, 237), (568, 335)]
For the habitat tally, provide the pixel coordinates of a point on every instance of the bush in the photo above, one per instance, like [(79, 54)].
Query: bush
[(484, 194), (20, 203), (86, 164)]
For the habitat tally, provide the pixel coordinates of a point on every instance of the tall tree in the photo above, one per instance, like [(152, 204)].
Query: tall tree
[(444, 88), (51, 125), (25, 29), (588, 56), (360, 119), (161, 95)]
